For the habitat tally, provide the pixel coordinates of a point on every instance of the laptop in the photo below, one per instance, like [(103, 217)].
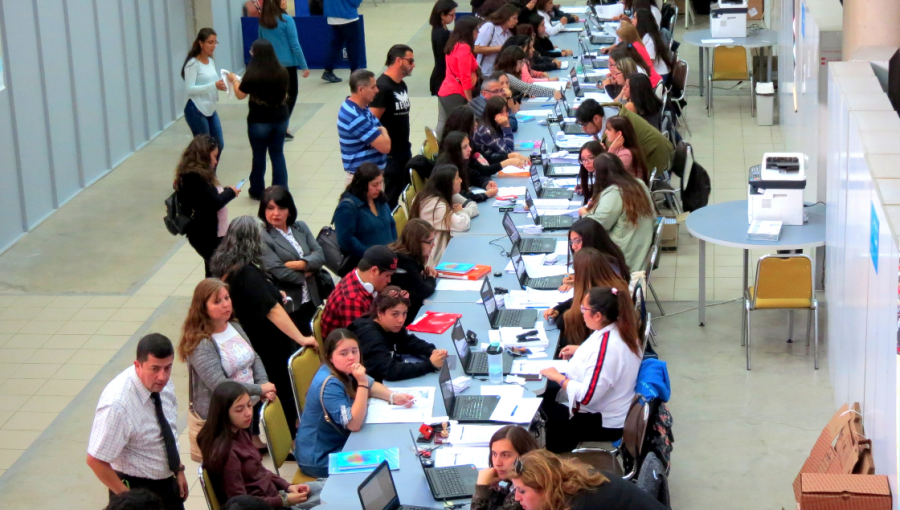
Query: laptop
[(451, 482), (561, 222), (560, 170), (378, 492), (569, 146), (543, 192), (467, 408), (501, 317), (544, 283), (474, 363), (529, 245), (576, 89)]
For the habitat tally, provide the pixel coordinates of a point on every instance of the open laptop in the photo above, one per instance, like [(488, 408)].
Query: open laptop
[(467, 408), (378, 492), (474, 363), (560, 170), (543, 192), (577, 90), (451, 482), (561, 111), (528, 245), (568, 145), (547, 222), (501, 317), (544, 283)]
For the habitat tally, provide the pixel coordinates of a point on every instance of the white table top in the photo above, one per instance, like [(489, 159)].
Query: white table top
[(760, 39), (726, 224)]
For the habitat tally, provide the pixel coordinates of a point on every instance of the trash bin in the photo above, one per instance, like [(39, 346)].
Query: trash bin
[(765, 104)]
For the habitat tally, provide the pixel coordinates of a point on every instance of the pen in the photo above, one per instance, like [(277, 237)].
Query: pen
[(514, 411)]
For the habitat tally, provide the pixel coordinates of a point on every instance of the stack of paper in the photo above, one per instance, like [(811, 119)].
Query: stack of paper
[(461, 456), (508, 336), (534, 113), (531, 298), (600, 97), (460, 285), (472, 435), (535, 366), (764, 231), (565, 170), (461, 384), (516, 410)]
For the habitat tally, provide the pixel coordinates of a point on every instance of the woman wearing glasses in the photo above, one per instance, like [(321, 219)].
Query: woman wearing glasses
[(506, 446), (413, 248), (586, 156), (202, 84)]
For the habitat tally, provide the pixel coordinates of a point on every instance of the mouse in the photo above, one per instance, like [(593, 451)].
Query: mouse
[(427, 462), (500, 290), (550, 258), (498, 274)]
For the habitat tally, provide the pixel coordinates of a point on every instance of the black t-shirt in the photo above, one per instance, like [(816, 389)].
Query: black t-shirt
[(394, 98), (253, 296), (616, 493), (267, 100)]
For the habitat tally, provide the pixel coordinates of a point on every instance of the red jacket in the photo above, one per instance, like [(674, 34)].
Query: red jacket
[(654, 76), (461, 65)]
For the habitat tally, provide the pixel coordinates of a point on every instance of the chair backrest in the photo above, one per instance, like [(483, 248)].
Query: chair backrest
[(431, 144), (635, 427), (302, 366), (212, 501), (400, 218), (401, 200), (654, 247), (679, 79), (417, 185), (787, 276), (665, 128), (278, 435), (729, 63), (688, 165), (659, 89), (317, 323)]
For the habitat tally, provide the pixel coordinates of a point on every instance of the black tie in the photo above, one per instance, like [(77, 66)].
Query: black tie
[(168, 436)]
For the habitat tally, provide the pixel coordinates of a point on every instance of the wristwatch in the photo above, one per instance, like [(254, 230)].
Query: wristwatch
[(181, 468)]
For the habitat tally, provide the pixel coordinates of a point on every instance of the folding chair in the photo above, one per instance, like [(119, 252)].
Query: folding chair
[(417, 185), (783, 282), (402, 199), (431, 147), (278, 435), (650, 261), (302, 366), (317, 324), (627, 455), (212, 501), (679, 84), (400, 218), (729, 63)]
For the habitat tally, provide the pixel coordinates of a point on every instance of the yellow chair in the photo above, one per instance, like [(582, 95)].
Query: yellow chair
[(729, 63), (302, 366), (783, 282), (417, 184), (400, 218), (212, 501), (317, 324), (431, 147), (278, 435)]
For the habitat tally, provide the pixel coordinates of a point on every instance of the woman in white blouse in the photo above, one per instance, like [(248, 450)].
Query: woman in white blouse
[(595, 394), (201, 85), (440, 204), (653, 41)]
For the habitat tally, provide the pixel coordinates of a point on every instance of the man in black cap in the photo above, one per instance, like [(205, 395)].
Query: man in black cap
[(353, 296)]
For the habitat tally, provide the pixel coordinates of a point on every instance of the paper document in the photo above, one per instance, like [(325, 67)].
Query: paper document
[(461, 456), (472, 435), (531, 298), (550, 203), (566, 170), (609, 11), (535, 113), (572, 29), (564, 65), (537, 269), (503, 390), (535, 367), (229, 88), (717, 41), (452, 284), (600, 97), (506, 191), (508, 338), (382, 412), (513, 170), (511, 410), (573, 9)]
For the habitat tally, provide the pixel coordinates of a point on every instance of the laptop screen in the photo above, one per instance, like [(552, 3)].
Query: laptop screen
[(543, 148), (532, 210), (447, 389), (487, 298), (511, 231), (458, 335), (377, 492), (518, 263), (535, 180)]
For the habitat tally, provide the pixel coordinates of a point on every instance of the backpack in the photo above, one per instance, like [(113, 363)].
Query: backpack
[(316, 7), (696, 194), (176, 222), (335, 260), (665, 15)]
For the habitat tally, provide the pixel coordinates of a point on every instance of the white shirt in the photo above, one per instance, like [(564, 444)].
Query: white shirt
[(236, 354), (200, 85), (551, 27), (332, 20), (289, 237), (490, 35), (602, 374), (126, 433), (658, 63)]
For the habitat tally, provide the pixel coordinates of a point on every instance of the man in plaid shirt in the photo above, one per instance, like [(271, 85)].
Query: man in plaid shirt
[(353, 296)]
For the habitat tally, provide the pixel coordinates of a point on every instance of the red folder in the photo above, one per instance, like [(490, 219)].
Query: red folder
[(474, 274), (434, 322)]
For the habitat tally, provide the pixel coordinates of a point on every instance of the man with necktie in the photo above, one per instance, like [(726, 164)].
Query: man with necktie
[(132, 441)]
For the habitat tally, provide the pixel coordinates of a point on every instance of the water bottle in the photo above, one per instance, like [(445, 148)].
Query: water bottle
[(495, 363)]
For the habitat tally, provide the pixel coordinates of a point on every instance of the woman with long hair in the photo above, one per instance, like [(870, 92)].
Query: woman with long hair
[(385, 343), (616, 83), (266, 83), (595, 394), (630, 37), (532, 68), (493, 33), (336, 403), (622, 141), (456, 150), (201, 85), (363, 218), (234, 463), (440, 204), (587, 233), (642, 99), (461, 69), (544, 481), (217, 350), (277, 27), (258, 306), (413, 248), (622, 205), (586, 155), (462, 119), (201, 198), (542, 32), (657, 49), (510, 62), (493, 132), (506, 446), (442, 14)]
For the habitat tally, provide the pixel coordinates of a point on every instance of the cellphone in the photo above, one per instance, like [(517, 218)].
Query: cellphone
[(241, 183)]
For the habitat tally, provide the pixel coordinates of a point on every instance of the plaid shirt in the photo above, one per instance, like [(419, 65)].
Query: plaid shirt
[(348, 302)]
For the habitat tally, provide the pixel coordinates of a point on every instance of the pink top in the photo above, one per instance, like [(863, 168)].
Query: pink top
[(654, 76), (461, 65), (625, 155), (528, 76)]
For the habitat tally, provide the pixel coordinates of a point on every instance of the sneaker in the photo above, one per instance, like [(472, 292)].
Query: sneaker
[(288, 136), (330, 77)]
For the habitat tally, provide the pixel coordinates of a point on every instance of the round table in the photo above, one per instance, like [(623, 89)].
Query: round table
[(726, 224), (761, 39)]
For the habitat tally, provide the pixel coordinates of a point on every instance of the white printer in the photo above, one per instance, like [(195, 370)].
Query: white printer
[(775, 188), (728, 19)]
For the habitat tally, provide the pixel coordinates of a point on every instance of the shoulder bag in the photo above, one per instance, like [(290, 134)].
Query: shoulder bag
[(325, 411), (175, 220)]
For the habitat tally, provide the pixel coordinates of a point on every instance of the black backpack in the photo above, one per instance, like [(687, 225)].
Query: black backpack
[(176, 221), (696, 194), (666, 15)]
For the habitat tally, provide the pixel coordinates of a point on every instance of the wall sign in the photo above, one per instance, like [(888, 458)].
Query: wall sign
[(873, 238)]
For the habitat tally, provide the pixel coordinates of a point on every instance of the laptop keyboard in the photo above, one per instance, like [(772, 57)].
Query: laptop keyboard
[(543, 283), (555, 193), (450, 481), (469, 409), (573, 129), (479, 363), (552, 221), (598, 64), (532, 245), (511, 318)]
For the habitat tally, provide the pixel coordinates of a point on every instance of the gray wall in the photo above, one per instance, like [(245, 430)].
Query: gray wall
[(87, 83)]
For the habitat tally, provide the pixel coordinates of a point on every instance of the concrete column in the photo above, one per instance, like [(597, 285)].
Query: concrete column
[(870, 23), (203, 14)]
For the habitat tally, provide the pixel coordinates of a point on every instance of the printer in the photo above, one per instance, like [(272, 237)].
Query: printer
[(728, 19), (775, 188)]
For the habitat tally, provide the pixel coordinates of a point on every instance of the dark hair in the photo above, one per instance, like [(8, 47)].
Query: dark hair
[(246, 502), (643, 97), (509, 60), (135, 499), (451, 154), (646, 24), (541, 5), (410, 240), (617, 307), (271, 13), (522, 441), (637, 5), (462, 33), (439, 185), (593, 235), (585, 177), (441, 7), (503, 14), (282, 198), (156, 345), (526, 29), (592, 268), (625, 50), (589, 109), (396, 51), (330, 345), (215, 438), (516, 40), (359, 184), (359, 78), (493, 107), (196, 159), (202, 36), (461, 118), (267, 74), (638, 162), (609, 171), (386, 299)]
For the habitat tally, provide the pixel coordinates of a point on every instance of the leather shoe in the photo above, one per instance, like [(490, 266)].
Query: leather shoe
[(330, 77)]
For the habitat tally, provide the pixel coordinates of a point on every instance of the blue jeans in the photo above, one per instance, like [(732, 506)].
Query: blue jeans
[(202, 125), (267, 137), (348, 34)]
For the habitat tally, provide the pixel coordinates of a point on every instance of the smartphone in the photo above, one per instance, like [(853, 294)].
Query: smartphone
[(241, 183)]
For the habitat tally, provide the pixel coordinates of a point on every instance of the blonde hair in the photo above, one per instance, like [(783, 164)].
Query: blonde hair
[(556, 479), (198, 324), (628, 33)]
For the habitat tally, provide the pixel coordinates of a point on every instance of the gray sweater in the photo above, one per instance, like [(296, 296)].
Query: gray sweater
[(205, 368)]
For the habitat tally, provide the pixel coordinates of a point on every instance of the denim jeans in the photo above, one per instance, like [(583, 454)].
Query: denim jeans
[(267, 137), (348, 34), (202, 125)]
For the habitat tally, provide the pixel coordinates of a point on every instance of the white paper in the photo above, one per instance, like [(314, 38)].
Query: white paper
[(564, 65), (717, 41), (573, 9), (506, 191), (534, 100), (531, 298), (535, 113), (537, 355), (600, 97), (472, 435), (609, 11), (503, 390), (507, 336), (461, 456), (567, 182), (572, 29), (566, 170), (514, 379), (512, 410), (451, 284), (535, 366), (229, 88), (382, 412), (550, 203), (513, 170)]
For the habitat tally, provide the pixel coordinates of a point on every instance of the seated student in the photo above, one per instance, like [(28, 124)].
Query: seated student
[(491, 87), (656, 148), (587, 233), (632, 39), (543, 46), (363, 218), (336, 403), (533, 68), (457, 151), (596, 392), (440, 204), (592, 269), (462, 119), (232, 460), (493, 131), (506, 446), (537, 60), (657, 47), (413, 248), (642, 99), (616, 82), (353, 295), (636, 5), (544, 481), (621, 140), (392, 353), (511, 61), (585, 186), (622, 205)]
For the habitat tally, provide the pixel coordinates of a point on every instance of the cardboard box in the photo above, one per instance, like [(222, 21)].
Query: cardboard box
[(837, 450), (754, 9), (844, 492)]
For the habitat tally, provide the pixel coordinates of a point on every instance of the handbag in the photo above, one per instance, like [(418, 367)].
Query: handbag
[(195, 422), (324, 284), (335, 260)]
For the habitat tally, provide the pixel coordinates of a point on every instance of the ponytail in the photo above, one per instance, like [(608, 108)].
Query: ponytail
[(202, 36), (616, 306)]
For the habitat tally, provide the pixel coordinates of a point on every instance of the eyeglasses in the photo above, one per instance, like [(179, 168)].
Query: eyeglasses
[(519, 466), (429, 241), (586, 309), (586, 161), (573, 242), (411, 60), (497, 91)]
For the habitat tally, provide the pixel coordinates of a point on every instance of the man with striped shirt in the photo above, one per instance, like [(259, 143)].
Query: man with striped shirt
[(362, 137)]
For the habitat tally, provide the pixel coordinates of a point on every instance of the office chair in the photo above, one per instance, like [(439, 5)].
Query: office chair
[(400, 217), (212, 501), (729, 63)]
